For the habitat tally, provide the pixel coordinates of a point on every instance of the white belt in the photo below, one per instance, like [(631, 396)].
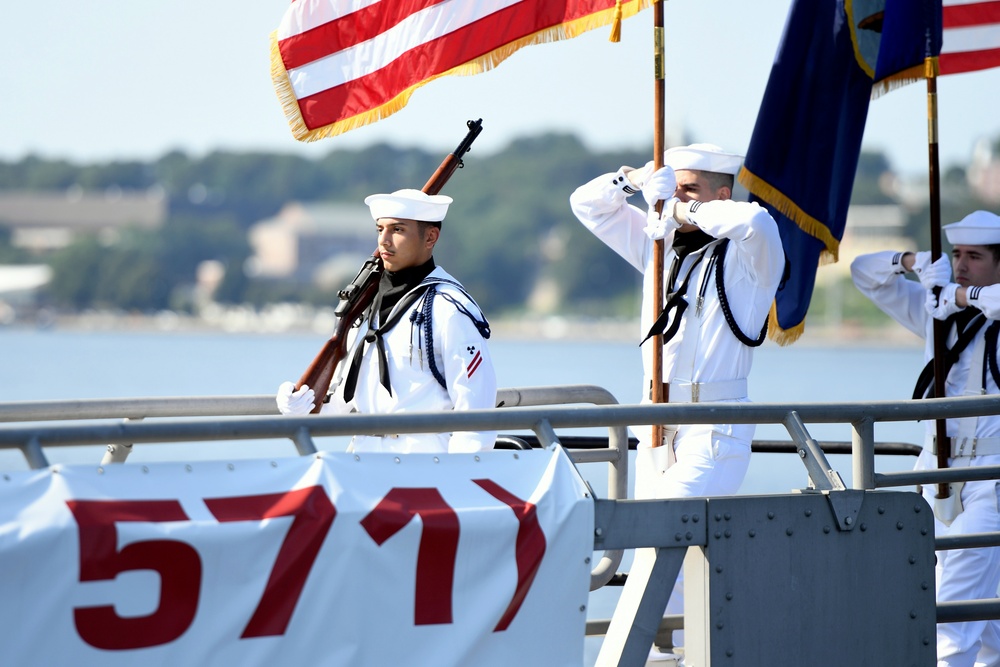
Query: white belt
[(682, 391), (962, 446)]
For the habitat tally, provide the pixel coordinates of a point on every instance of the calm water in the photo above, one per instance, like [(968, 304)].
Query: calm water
[(39, 365), (46, 365)]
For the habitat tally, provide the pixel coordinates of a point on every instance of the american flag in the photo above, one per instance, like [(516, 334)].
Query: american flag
[(971, 39), (340, 64)]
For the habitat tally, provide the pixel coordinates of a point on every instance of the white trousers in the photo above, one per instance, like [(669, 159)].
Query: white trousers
[(968, 574), (708, 463)]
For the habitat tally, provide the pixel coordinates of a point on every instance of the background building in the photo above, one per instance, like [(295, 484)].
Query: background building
[(40, 222), (321, 244)]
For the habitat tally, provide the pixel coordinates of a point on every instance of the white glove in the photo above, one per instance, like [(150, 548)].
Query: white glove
[(931, 275), (638, 177), (291, 402), (661, 185), (659, 225), (943, 305)]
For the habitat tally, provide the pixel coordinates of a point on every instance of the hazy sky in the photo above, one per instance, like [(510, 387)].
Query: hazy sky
[(98, 81)]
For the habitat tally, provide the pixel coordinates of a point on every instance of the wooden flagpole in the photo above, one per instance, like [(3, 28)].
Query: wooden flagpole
[(939, 332), (657, 393)]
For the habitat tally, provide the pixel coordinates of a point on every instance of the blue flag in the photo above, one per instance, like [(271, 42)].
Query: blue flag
[(804, 151), (911, 32)]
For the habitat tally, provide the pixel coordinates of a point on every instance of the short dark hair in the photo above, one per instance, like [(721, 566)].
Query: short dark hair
[(995, 249), (424, 224), (718, 180)]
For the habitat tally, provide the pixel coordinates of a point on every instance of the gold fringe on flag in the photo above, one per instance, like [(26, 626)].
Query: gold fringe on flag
[(486, 62), (810, 225), (782, 337), (616, 24), (928, 69), (898, 80)]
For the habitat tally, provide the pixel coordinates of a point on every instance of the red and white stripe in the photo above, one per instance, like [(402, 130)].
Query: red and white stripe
[(475, 363), (339, 64), (971, 35)]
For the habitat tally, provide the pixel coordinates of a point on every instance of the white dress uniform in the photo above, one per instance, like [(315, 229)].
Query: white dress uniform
[(704, 361), (962, 574), (432, 355), (460, 355)]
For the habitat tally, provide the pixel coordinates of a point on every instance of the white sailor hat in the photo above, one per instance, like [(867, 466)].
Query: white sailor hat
[(409, 205), (979, 228), (702, 157)]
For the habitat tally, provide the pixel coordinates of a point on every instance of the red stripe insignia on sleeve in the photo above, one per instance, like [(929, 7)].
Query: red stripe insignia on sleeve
[(477, 360)]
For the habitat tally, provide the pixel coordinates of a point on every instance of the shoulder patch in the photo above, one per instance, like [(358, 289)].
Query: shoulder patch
[(474, 360)]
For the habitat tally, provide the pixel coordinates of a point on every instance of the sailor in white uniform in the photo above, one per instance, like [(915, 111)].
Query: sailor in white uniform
[(970, 306), (421, 345), (722, 266)]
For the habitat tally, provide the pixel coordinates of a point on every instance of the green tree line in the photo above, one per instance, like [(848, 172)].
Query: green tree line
[(509, 228)]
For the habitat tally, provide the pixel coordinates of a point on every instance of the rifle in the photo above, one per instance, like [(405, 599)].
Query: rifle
[(356, 297)]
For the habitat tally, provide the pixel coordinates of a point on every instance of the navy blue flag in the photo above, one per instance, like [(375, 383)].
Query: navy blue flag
[(911, 32), (804, 151)]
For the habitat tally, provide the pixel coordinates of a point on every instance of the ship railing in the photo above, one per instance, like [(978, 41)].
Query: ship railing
[(526, 409), (541, 411), (133, 410)]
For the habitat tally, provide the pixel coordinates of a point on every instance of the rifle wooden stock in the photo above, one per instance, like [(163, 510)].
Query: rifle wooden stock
[(354, 300), (356, 297)]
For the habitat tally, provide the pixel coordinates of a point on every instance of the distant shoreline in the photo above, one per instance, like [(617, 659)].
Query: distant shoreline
[(303, 321)]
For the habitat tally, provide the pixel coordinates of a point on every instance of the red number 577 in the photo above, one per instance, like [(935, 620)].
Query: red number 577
[(180, 569)]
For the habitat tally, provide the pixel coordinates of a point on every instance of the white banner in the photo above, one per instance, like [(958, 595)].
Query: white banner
[(334, 559)]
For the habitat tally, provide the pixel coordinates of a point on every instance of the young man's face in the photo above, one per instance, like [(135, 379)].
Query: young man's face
[(693, 185), (404, 243), (974, 266)]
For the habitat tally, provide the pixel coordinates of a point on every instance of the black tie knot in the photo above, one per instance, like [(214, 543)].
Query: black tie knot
[(374, 334)]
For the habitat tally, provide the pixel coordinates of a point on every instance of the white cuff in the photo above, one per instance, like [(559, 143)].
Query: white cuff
[(622, 182), (897, 263)]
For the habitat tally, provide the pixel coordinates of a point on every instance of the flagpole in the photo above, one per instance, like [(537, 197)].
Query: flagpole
[(939, 332), (657, 393)]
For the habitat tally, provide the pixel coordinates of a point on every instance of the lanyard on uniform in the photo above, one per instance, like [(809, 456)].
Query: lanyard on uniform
[(374, 335), (675, 302), (973, 321)]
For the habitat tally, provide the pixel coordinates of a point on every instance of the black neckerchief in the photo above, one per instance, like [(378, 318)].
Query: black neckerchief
[(684, 244), (392, 288), (394, 284), (676, 301), (687, 242)]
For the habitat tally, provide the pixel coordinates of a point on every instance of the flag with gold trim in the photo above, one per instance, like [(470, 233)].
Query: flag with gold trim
[(804, 151), (341, 64)]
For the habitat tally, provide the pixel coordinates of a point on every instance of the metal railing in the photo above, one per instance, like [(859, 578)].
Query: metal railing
[(225, 413), (540, 410), (251, 417)]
